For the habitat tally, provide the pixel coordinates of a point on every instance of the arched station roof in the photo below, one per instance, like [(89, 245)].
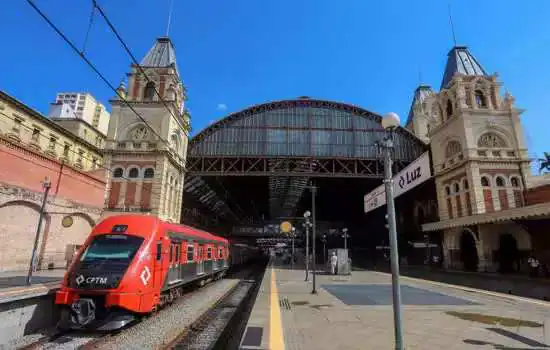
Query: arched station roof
[(301, 127)]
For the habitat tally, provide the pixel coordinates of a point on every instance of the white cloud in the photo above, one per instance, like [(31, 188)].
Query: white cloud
[(221, 107)]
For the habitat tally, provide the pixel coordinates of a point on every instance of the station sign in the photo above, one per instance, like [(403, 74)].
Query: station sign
[(413, 175)]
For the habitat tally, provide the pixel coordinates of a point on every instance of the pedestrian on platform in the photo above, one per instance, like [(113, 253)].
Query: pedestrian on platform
[(534, 265), (333, 263)]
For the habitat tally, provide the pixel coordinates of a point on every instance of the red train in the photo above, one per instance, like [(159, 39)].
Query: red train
[(131, 265)]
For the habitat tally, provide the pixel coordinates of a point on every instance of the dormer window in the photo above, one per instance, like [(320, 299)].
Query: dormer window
[(480, 99), (149, 93)]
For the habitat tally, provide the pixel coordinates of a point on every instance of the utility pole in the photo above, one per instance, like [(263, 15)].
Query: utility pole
[(46, 185)]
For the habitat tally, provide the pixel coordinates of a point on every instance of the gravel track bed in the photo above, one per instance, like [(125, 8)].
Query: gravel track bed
[(70, 341), (205, 337), (163, 327)]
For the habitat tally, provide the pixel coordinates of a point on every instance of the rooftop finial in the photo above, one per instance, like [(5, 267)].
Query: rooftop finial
[(169, 17), (452, 26)]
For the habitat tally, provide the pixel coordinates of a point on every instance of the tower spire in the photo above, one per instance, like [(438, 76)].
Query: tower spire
[(169, 17), (452, 25)]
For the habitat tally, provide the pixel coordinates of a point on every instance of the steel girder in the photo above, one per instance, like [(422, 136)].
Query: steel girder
[(288, 167)]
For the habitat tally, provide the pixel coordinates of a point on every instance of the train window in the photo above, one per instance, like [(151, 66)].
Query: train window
[(112, 247), (190, 252), (220, 252), (177, 252), (159, 251), (181, 253), (209, 253), (171, 252)]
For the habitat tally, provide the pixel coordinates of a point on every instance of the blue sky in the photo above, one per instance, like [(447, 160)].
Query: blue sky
[(240, 53)]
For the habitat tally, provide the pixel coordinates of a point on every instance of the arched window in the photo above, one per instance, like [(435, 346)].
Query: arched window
[(485, 181), (491, 140), (149, 93), (514, 181), (465, 184), (456, 187), (149, 173), (447, 190), (134, 172), (118, 172), (480, 99), (453, 148), (449, 109), (500, 181)]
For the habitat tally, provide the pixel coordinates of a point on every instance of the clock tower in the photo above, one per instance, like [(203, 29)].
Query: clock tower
[(147, 140)]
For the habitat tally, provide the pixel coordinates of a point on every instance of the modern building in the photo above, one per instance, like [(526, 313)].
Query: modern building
[(146, 144), (75, 105), (34, 148)]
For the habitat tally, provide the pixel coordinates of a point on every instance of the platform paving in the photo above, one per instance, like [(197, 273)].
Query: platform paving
[(355, 312)]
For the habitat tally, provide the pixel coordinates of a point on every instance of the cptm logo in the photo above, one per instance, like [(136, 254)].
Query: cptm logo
[(89, 280)]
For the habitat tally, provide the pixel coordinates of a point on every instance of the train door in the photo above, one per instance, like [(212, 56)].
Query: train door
[(158, 269), (225, 251), (219, 258), (172, 259), (200, 260)]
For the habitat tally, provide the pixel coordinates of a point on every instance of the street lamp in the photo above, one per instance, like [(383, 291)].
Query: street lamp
[(345, 236), (390, 122), (46, 185), (293, 233), (307, 224), (324, 240)]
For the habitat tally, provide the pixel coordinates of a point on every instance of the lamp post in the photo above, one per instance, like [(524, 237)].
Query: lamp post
[(46, 185), (324, 240), (307, 224), (345, 236), (293, 233), (313, 234), (390, 122)]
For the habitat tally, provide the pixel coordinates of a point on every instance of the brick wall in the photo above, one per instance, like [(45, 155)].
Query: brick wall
[(537, 195), (76, 195), (25, 168)]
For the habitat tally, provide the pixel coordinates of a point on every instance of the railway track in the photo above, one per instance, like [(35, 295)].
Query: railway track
[(220, 326)]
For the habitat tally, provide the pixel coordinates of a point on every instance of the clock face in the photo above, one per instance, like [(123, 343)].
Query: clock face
[(140, 133)]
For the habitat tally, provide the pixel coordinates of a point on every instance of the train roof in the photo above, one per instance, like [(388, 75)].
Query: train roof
[(144, 225)]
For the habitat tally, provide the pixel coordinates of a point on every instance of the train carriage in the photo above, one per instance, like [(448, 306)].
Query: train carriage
[(133, 264)]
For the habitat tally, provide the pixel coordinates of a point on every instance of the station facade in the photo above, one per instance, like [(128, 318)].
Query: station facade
[(488, 216)]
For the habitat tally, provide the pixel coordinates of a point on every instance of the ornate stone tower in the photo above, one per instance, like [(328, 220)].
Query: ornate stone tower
[(148, 158), (479, 153)]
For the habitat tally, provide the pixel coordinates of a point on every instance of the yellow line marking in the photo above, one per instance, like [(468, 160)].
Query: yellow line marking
[(475, 290), (276, 341)]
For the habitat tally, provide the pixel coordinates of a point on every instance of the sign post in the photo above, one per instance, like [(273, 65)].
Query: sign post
[(413, 175)]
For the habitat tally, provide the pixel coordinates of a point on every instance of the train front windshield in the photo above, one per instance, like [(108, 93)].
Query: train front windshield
[(112, 247)]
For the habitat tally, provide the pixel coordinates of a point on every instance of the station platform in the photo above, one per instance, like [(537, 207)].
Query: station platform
[(13, 284), (355, 312)]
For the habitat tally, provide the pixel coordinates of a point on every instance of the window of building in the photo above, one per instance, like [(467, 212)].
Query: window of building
[(465, 184), (500, 181), (94, 163), (447, 190), (149, 173), (17, 125), (35, 135), (449, 109), (456, 188), (66, 150), (485, 181), (134, 172), (80, 156), (514, 181), (149, 93), (53, 141), (480, 99), (118, 172)]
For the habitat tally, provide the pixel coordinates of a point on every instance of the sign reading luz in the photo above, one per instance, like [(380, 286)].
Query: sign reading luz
[(413, 175)]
